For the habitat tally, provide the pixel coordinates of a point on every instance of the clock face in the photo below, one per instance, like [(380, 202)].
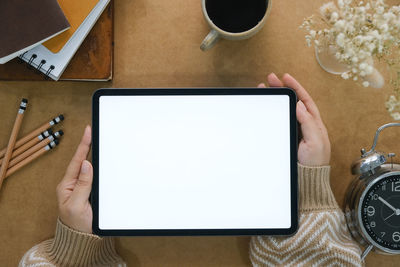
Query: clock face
[(380, 213)]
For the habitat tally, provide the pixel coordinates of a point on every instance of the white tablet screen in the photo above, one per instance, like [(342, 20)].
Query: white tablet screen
[(194, 162)]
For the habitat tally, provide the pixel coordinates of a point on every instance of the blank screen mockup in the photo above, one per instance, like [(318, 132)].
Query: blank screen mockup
[(194, 162)]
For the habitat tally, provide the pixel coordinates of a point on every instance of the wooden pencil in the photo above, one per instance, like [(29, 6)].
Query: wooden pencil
[(29, 144), (35, 133), (13, 138), (31, 158), (35, 148)]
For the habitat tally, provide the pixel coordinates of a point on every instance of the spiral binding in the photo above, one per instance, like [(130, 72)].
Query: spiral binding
[(40, 65), (31, 60)]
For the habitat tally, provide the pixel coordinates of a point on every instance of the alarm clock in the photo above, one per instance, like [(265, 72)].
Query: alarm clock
[(372, 200)]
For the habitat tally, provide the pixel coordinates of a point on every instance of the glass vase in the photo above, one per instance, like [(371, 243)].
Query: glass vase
[(326, 58)]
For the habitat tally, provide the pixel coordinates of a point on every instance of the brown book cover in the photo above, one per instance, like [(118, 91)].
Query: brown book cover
[(92, 62), (27, 23)]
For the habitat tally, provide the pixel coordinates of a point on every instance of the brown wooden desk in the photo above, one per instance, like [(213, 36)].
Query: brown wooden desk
[(157, 45)]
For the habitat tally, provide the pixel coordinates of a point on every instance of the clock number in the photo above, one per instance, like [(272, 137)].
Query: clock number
[(384, 187), (370, 211), (383, 234), (396, 236), (375, 197), (396, 186), (373, 224)]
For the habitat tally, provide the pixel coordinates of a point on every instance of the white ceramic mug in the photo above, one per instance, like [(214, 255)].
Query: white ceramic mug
[(216, 33)]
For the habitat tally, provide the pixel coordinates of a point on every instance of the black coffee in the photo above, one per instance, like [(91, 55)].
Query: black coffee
[(236, 15)]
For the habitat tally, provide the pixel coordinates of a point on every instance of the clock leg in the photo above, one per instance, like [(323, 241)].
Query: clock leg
[(365, 253)]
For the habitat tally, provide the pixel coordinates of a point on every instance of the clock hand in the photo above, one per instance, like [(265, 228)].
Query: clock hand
[(387, 204), (389, 216)]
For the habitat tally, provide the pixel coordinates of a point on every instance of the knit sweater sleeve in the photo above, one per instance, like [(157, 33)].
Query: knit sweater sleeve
[(322, 238), (73, 248)]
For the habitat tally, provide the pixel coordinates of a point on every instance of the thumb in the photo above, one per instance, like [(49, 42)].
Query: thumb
[(84, 184)]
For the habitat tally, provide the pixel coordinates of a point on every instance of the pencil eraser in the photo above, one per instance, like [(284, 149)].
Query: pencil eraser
[(23, 104), (56, 141), (60, 132), (50, 131), (61, 117)]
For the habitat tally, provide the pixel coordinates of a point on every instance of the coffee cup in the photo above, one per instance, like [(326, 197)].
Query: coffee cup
[(233, 19)]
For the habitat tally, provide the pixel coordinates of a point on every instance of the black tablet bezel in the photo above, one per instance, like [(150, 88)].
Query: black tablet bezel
[(194, 91)]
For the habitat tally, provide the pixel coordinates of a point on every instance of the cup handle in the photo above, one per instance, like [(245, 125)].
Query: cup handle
[(210, 40)]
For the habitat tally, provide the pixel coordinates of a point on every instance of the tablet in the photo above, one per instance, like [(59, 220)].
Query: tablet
[(194, 162)]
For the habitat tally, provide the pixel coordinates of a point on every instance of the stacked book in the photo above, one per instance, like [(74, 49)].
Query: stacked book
[(56, 39)]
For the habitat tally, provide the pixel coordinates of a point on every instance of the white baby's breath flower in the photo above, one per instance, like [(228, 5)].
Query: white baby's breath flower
[(360, 31), (340, 24), (345, 75), (327, 9), (334, 17), (395, 115), (391, 103), (371, 47), (389, 16), (369, 38), (340, 39), (365, 84), (384, 27), (369, 69), (358, 40), (350, 51)]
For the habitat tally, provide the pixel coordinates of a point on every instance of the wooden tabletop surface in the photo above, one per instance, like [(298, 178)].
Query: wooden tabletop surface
[(157, 45)]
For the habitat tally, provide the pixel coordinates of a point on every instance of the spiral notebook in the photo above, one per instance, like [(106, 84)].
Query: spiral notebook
[(53, 64), (76, 12)]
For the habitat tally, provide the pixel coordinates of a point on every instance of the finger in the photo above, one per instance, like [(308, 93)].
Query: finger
[(302, 94), (84, 184), (261, 85), (309, 127), (274, 81), (80, 155)]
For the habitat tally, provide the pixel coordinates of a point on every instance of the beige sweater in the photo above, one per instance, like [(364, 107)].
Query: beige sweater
[(322, 238)]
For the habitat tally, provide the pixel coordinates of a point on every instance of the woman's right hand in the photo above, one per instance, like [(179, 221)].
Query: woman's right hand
[(314, 147)]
